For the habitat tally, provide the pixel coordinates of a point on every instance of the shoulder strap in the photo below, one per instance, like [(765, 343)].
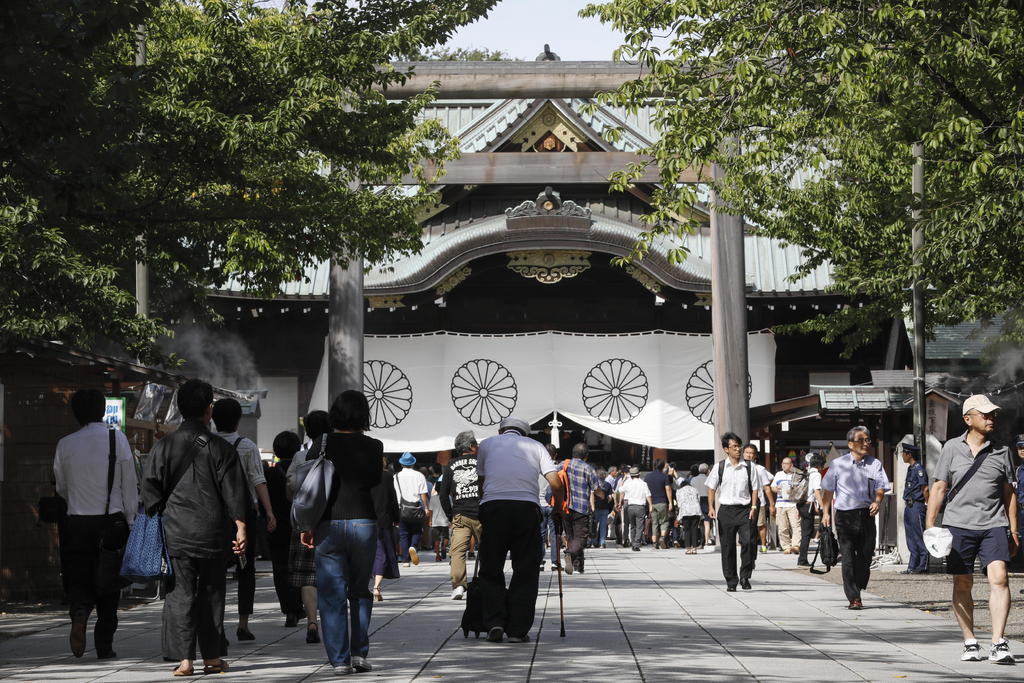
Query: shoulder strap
[(721, 472), (111, 458), (237, 441), (198, 444), (978, 461)]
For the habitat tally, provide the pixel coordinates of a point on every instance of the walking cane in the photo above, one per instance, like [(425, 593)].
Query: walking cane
[(561, 600)]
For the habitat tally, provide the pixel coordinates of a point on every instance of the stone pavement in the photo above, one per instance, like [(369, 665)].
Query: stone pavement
[(648, 616)]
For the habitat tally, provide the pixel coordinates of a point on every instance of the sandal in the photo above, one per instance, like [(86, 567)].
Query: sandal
[(184, 672), (219, 668), (377, 595)]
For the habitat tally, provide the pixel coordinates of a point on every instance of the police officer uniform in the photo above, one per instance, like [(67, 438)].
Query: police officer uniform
[(914, 514)]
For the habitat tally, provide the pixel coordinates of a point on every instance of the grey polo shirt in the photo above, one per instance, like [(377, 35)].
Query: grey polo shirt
[(979, 505)]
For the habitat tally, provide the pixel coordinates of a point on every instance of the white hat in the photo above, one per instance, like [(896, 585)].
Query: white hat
[(521, 426), (939, 541), (980, 403)]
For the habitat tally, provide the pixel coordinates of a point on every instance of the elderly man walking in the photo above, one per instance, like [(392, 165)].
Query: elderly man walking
[(974, 477), (195, 479), (583, 487), (508, 466), (459, 491), (857, 482)]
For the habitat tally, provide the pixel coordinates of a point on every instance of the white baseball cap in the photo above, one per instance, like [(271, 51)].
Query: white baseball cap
[(980, 403), (939, 541)]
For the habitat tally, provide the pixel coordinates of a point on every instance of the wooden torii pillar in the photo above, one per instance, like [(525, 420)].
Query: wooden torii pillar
[(558, 79)]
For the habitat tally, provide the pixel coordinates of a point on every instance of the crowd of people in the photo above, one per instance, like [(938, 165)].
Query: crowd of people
[(506, 497)]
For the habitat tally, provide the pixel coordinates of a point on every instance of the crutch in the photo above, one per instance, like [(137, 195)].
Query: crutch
[(561, 598)]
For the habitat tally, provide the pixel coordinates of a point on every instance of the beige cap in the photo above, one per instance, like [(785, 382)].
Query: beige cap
[(980, 403)]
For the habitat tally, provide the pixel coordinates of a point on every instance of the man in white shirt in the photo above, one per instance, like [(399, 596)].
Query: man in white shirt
[(227, 413), (811, 506), (634, 496), (787, 517), (411, 490), (81, 469), (508, 466), (731, 483), (766, 503)]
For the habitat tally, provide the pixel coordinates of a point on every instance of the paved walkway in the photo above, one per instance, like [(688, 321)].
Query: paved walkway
[(649, 616)]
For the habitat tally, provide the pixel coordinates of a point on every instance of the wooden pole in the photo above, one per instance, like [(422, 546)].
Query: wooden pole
[(728, 322), (345, 328)]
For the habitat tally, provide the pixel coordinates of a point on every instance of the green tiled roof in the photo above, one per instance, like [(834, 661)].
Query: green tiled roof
[(965, 341)]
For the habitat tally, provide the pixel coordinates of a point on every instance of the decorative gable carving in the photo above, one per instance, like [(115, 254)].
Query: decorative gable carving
[(548, 210)]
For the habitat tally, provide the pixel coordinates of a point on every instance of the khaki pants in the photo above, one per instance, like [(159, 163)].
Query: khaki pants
[(463, 528), (788, 521)]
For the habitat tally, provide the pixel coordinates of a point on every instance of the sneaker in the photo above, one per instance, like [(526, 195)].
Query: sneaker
[(972, 652), (413, 556), (471, 555), (406, 564), (495, 635), (567, 564), (764, 549), (343, 670), (361, 665), (519, 639), (1000, 653), (458, 592)]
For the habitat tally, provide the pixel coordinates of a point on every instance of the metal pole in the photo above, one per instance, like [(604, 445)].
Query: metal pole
[(920, 410), (141, 269), (728, 321), (345, 328)]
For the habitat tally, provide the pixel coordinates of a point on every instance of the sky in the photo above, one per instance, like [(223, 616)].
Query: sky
[(521, 27)]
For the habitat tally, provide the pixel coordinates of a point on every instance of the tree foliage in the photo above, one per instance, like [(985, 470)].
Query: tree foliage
[(460, 54), (812, 107), (241, 148)]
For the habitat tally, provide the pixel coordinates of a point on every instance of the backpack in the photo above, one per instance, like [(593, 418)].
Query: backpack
[(798, 486), (828, 551), (563, 476)]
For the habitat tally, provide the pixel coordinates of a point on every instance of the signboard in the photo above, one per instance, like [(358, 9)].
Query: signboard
[(116, 412)]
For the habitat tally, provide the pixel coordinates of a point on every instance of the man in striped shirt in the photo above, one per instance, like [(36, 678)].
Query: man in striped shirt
[(583, 486)]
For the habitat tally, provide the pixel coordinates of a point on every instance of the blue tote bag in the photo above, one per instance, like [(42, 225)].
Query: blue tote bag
[(145, 553)]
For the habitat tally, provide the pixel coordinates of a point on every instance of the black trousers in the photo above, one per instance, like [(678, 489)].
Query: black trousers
[(577, 528), (691, 526), (247, 574), (81, 539), (288, 596), (634, 530), (806, 530), (733, 522), (856, 534), (194, 609), (509, 527)]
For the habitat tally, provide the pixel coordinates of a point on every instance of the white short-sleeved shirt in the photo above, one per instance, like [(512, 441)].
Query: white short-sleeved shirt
[(249, 457), (783, 482), (509, 464), (736, 484), (635, 491), (80, 472), (409, 485), (813, 484)]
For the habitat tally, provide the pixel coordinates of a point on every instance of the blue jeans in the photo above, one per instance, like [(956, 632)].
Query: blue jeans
[(601, 517), (409, 534), (344, 562), (547, 532)]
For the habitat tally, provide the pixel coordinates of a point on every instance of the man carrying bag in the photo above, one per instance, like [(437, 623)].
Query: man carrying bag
[(95, 473)]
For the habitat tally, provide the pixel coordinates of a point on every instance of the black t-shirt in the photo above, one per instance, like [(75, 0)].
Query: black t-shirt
[(657, 481), (358, 464)]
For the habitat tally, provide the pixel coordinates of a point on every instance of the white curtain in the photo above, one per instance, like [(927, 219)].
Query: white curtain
[(651, 388)]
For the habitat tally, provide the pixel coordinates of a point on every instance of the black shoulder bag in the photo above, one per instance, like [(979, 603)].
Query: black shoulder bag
[(975, 466), (107, 574)]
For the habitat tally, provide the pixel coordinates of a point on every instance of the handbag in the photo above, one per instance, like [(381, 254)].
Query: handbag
[(145, 553), (828, 551), (107, 571), (52, 509), (310, 502), (410, 513)]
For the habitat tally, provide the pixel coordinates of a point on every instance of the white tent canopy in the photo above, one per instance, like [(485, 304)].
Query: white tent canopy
[(653, 388)]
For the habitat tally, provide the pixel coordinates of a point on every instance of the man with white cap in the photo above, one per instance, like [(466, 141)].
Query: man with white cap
[(508, 466), (974, 478)]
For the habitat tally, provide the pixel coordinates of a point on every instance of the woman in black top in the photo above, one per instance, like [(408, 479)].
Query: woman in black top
[(286, 445), (346, 539), (385, 564)]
